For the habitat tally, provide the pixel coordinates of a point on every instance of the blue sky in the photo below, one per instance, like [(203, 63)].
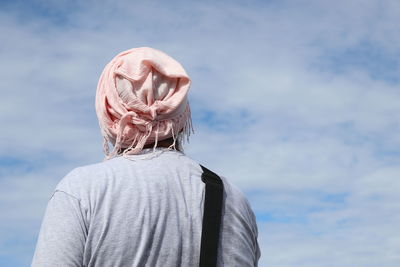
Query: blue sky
[(299, 98)]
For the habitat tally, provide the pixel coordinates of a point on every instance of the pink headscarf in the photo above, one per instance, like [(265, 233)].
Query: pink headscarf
[(142, 98)]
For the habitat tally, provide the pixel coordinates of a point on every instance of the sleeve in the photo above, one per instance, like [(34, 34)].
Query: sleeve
[(241, 228), (63, 233), (256, 245), (253, 222)]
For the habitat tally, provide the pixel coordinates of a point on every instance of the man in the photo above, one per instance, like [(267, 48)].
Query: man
[(143, 205)]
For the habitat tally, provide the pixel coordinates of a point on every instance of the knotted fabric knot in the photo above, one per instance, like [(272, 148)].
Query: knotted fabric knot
[(132, 118)]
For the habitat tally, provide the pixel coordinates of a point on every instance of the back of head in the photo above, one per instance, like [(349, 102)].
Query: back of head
[(141, 99)]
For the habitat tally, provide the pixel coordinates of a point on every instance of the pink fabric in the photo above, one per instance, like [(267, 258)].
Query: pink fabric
[(142, 98)]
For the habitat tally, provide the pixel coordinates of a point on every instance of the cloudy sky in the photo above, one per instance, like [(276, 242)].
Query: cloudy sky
[(296, 102)]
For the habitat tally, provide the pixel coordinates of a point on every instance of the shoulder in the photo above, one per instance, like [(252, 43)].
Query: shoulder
[(82, 178), (239, 217), (237, 203), (235, 194)]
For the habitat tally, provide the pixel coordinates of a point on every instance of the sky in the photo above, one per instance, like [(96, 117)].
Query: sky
[(295, 102)]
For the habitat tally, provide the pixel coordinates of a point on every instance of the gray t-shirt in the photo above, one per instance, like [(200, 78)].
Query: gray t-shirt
[(141, 212)]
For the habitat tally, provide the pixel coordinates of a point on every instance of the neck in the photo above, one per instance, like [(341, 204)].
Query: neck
[(163, 143)]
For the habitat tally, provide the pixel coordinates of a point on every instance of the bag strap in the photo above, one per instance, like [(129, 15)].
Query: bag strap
[(214, 189)]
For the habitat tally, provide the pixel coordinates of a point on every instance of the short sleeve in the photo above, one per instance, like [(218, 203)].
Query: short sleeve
[(240, 236), (256, 244), (63, 233), (253, 222)]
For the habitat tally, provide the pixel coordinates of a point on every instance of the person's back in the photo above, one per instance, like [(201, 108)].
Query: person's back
[(143, 205), (146, 212)]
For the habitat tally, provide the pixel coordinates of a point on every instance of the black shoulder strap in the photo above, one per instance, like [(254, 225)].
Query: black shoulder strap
[(211, 218)]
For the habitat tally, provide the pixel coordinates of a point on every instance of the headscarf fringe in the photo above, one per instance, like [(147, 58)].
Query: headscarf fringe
[(139, 141)]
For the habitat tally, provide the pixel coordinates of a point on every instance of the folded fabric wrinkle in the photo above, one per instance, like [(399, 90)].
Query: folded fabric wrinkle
[(142, 98)]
